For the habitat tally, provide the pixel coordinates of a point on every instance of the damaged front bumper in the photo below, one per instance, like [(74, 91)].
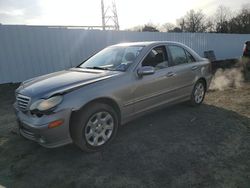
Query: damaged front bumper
[(37, 128)]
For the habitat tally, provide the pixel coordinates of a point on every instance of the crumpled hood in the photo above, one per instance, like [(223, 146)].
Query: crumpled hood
[(62, 81)]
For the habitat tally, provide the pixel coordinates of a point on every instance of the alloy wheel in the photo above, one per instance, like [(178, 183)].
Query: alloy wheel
[(199, 93), (99, 128)]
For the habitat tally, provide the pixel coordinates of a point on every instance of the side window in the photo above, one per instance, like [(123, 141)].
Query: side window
[(190, 58), (157, 58), (178, 55)]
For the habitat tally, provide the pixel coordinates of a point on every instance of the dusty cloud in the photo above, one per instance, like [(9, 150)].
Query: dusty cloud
[(228, 78)]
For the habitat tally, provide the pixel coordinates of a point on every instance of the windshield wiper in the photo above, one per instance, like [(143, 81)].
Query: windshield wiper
[(99, 68)]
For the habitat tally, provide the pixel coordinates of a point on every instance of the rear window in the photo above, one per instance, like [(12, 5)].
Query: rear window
[(190, 58), (178, 55)]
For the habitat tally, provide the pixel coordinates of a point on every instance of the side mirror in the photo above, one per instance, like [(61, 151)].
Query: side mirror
[(146, 70)]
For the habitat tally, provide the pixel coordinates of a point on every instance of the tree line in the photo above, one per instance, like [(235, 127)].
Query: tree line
[(195, 21)]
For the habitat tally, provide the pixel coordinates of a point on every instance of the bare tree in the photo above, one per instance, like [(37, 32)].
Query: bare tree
[(222, 18), (181, 23), (241, 22), (167, 27), (224, 21), (193, 21), (149, 28), (176, 30), (210, 25)]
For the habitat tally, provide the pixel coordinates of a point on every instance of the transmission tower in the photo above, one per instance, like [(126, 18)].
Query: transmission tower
[(109, 17)]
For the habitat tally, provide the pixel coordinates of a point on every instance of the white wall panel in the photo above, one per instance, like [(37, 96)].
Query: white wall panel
[(29, 51)]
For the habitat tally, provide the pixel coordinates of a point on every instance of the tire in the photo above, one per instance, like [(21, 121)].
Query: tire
[(198, 93), (94, 127)]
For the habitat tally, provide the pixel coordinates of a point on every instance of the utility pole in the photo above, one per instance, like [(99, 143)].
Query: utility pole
[(109, 17)]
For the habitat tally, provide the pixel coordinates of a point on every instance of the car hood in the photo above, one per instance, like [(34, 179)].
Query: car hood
[(62, 81)]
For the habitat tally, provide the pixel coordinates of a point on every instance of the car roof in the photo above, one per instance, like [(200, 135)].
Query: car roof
[(147, 43)]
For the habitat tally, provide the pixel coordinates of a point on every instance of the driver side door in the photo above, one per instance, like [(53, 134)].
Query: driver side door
[(153, 90)]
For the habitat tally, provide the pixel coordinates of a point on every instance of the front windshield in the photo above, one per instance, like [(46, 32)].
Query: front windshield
[(117, 58)]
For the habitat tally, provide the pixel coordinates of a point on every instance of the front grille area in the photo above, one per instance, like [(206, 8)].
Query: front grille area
[(22, 102)]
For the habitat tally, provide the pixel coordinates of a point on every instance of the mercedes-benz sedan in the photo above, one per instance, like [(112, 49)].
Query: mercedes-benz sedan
[(87, 104)]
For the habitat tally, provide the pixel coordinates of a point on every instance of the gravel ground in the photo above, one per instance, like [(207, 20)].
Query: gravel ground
[(180, 146)]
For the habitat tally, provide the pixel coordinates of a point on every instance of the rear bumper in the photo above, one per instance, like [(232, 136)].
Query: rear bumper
[(36, 128), (208, 80)]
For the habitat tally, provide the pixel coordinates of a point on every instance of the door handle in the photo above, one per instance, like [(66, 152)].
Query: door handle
[(194, 67), (170, 74)]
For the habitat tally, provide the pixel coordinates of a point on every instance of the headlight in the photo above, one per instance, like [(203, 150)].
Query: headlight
[(43, 105)]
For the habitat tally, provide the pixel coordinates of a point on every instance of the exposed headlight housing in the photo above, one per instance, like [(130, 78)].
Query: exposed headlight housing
[(46, 104)]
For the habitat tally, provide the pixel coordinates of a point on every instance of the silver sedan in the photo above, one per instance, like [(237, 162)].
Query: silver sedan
[(88, 103)]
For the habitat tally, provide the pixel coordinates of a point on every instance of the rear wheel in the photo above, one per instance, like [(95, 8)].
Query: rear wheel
[(198, 93), (94, 127)]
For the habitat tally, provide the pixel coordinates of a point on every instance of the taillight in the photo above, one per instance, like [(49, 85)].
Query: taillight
[(245, 48)]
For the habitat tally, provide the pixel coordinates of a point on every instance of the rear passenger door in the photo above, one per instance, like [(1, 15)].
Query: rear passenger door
[(184, 67)]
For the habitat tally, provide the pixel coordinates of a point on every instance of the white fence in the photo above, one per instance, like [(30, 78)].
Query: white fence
[(29, 51)]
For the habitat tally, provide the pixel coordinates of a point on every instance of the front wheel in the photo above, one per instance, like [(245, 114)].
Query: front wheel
[(198, 93), (94, 127)]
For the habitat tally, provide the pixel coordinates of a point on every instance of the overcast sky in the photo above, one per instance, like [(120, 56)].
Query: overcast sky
[(88, 12)]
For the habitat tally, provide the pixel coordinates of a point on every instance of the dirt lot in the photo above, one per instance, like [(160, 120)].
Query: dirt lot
[(181, 146)]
